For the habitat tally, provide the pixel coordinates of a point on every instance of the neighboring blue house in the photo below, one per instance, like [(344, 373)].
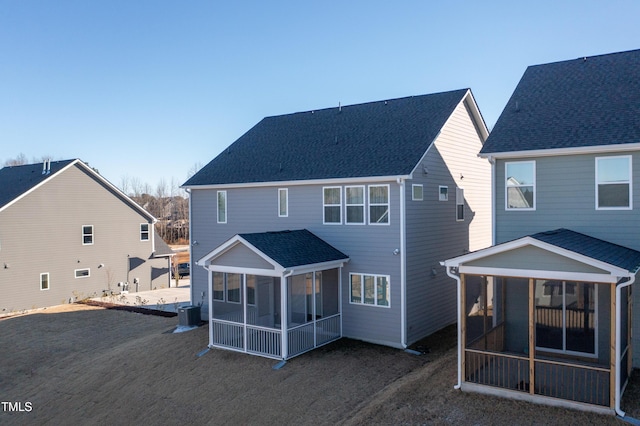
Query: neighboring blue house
[(546, 313), (331, 223)]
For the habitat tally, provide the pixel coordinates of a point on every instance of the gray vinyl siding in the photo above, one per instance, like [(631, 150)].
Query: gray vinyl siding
[(565, 198), (370, 247), (42, 233), (433, 233)]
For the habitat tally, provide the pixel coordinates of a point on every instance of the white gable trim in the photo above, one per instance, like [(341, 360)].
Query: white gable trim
[(459, 262), (231, 243), (600, 149)]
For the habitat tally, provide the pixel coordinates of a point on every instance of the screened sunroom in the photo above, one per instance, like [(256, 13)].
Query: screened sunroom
[(274, 294), (547, 318)]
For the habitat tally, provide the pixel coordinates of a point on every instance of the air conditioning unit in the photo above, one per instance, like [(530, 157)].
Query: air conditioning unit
[(189, 316)]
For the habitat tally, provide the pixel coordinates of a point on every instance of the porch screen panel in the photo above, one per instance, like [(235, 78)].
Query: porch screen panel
[(297, 288), (549, 314), (330, 292), (580, 317)]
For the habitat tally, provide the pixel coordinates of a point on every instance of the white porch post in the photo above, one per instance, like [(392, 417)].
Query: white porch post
[(210, 300), (243, 299), (284, 315)]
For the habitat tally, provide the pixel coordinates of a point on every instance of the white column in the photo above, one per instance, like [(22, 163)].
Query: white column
[(210, 297), (284, 316)]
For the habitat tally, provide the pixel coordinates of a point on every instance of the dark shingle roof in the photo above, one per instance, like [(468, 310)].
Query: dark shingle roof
[(578, 103), (594, 248), (385, 138), (16, 180), (294, 248)]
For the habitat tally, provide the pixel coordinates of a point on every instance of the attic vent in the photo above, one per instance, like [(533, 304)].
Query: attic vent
[(517, 107)]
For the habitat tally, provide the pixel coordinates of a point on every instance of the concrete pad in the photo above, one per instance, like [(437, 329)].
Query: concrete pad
[(162, 299)]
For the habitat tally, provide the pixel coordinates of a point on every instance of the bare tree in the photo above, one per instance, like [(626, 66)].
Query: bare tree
[(20, 160)]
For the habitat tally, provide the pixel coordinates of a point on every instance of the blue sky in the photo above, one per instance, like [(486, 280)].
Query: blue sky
[(149, 89)]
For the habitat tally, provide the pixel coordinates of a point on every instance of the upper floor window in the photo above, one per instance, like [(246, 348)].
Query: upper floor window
[(222, 206), (459, 204), (44, 281), (520, 185), (417, 193), (283, 202), (354, 202), (613, 183), (332, 203), (87, 234), (443, 193), (379, 204), (144, 232)]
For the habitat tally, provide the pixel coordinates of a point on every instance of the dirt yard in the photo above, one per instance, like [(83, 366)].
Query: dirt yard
[(81, 364)]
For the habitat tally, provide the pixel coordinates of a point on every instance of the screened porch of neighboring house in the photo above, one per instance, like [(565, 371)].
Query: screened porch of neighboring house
[(558, 334), (274, 294)]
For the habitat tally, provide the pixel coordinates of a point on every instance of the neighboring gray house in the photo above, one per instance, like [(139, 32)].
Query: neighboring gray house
[(547, 311), (66, 233), (330, 223)]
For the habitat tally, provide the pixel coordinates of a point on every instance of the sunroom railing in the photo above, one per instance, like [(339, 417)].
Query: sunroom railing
[(574, 382)]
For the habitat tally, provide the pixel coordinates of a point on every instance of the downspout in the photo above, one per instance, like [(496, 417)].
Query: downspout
[(403, 263), (618, 397), (459, 295)]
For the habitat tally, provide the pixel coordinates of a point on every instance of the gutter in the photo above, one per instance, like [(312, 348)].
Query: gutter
[(459, 296), (618, 395)]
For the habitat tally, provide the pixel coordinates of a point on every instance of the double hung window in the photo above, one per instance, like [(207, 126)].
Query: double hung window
[(613, 183), (354, 202), (520, 185)]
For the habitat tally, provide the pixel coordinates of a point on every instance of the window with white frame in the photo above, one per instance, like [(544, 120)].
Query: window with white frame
[(222, 206), (283, 202), (44, 281), (459, 204), (417, 192), (443, 193), (227, 287), (613, 183), (368, 289), (520, 185), (354, 204), (566, 315), (82, 273), (144, 232), (379, 204), (87, 235), (332, 204)]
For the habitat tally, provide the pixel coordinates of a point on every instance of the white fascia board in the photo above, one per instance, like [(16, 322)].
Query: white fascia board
[(539, 274), (337, 181), (323, 266), (528, 241), (248, 271), (475, 110), (228, 245), (600, 149)]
